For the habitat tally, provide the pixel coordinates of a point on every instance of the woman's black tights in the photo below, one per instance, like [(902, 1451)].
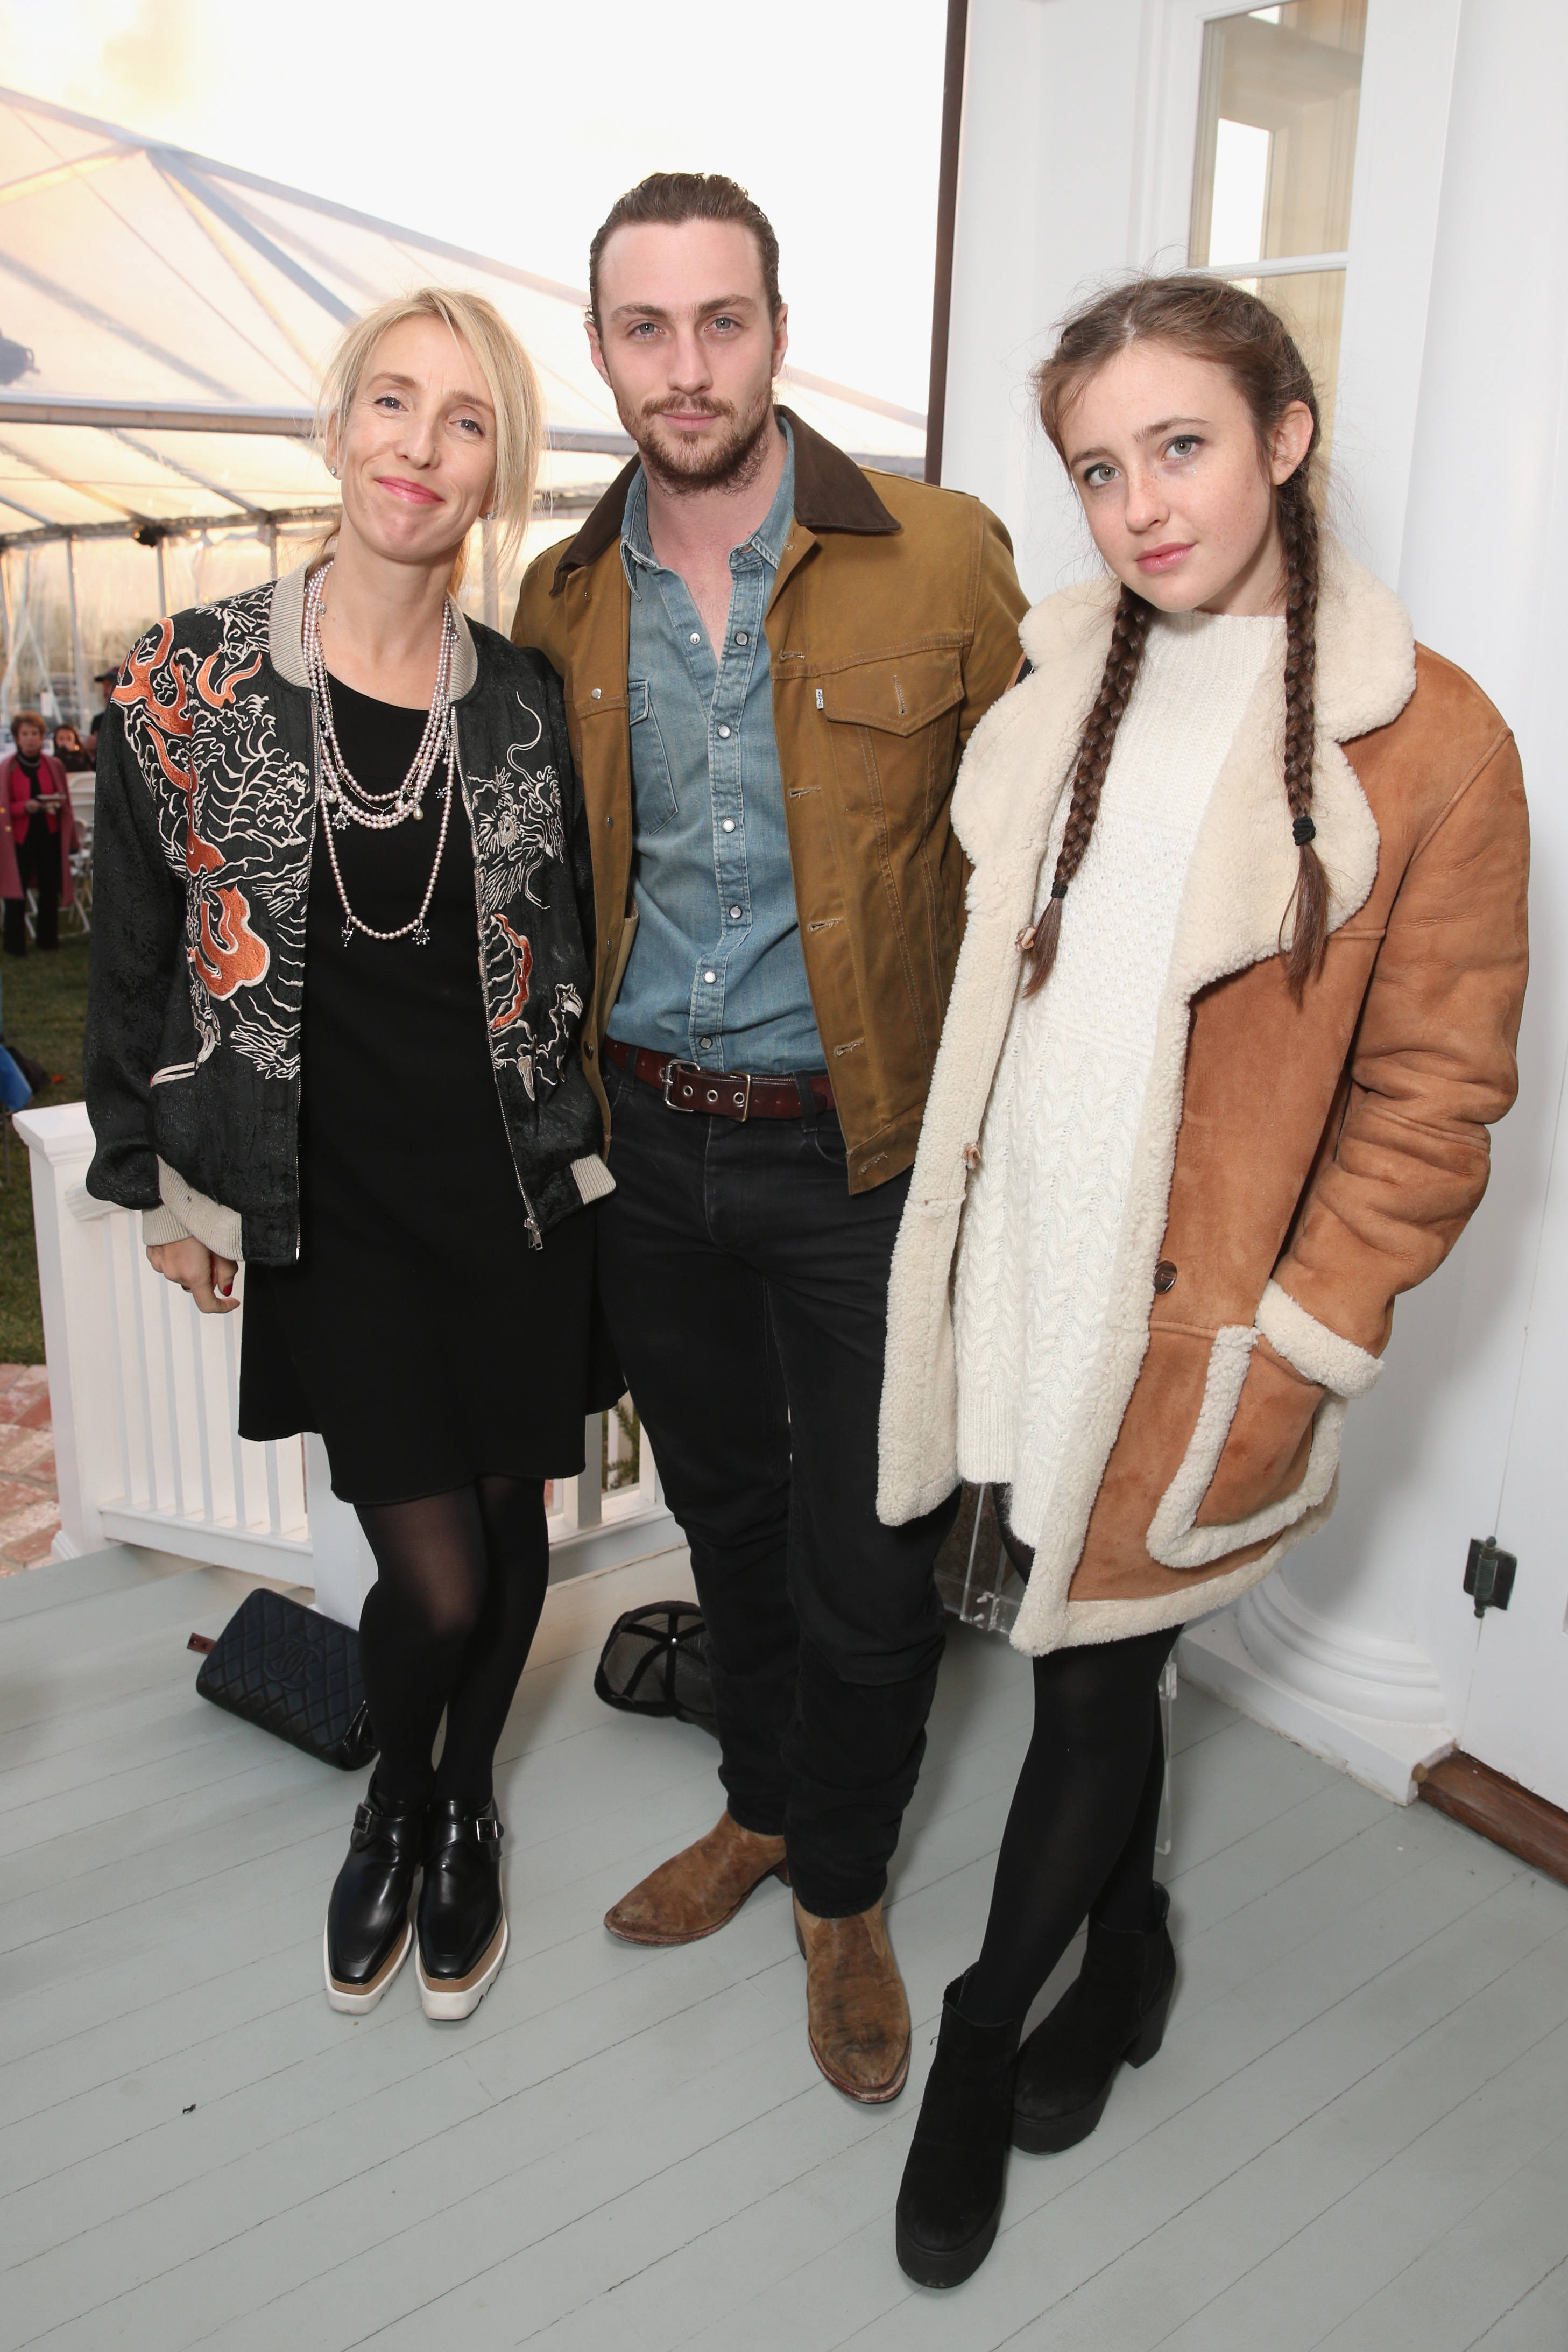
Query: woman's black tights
[(460, 1582), (1081, 1834)]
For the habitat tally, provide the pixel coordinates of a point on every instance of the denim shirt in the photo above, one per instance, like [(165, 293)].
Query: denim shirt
[(715, 975)]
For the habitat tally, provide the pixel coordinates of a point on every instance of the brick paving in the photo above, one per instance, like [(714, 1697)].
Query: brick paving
[(29, 1506)]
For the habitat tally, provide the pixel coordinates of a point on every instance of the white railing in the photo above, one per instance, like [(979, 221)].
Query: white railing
[(145, 1397)]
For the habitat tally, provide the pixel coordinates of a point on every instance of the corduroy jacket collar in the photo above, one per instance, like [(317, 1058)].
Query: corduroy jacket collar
[(830, 494)]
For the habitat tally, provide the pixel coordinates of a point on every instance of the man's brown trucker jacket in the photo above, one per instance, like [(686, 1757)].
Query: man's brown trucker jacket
[(893, 628)]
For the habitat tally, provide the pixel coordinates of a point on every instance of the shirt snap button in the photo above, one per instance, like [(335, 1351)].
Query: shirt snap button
[(595, 693), (1165, 1276), (710, 977), (730, 825), (706, 1044), (724, 731), (741, 638), (735, 914), (697, 637)]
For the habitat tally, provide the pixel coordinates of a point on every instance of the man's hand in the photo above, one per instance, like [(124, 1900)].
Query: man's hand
[(210, 1279)]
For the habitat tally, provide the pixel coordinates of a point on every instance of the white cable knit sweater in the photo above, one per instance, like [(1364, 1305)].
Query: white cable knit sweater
[(1044, 1211)]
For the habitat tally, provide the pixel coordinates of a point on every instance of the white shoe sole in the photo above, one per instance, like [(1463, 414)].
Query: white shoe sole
[(358, 2000), (448, 1999)]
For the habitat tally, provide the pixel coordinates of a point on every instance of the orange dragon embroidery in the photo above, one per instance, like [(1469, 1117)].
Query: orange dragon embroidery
[(201, 858), (221, 696), (523, 969), (137, 686), (233, 957)]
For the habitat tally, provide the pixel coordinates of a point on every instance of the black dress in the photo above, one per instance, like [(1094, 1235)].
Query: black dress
[(420, 1332)]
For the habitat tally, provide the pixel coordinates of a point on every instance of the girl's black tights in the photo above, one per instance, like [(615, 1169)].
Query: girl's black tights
[(1081, 1834), (460, 1582)]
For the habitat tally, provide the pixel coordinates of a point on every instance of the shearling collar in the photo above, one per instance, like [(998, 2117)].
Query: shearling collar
[(285, 640), (1244, 865)]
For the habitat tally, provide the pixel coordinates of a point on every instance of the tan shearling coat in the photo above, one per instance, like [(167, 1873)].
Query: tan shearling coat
[(1296, 1166)]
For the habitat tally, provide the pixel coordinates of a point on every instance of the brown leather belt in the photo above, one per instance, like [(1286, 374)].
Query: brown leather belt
[(721, 1094)]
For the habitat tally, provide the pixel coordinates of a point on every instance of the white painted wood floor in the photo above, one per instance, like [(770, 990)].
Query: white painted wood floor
[(1356, 2136)]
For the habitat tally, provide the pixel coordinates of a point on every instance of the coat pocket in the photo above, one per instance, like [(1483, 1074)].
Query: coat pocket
[(1256, 1416), (898, 694)]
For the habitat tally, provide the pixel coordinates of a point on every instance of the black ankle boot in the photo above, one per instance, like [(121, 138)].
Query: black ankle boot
[(1116, 2009), (950, 2201), (462, 1917), (367, 1935)]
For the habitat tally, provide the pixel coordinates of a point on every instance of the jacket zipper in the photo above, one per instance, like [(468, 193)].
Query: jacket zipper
[(536, 1239), (309, 854)]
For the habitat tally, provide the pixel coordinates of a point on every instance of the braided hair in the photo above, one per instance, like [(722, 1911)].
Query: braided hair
[(1208, 318)]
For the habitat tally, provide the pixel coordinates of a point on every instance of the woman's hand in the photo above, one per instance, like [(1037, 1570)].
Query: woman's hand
[(210, 1279)]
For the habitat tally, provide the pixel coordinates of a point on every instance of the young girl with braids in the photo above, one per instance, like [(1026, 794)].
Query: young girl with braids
[(1238, 995)]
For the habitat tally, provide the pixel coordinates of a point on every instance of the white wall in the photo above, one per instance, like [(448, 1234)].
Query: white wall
[(1080, 117)]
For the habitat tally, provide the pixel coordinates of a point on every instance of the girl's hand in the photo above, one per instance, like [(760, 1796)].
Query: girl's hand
[(209, 1280), (32, 806)]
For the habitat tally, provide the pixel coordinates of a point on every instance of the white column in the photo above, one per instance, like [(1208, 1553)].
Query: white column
[(1362, 1645)]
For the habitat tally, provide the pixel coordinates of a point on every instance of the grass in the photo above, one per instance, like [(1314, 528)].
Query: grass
[(44, 1011)]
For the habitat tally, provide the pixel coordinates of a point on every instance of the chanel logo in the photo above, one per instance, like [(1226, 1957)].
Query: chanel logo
[(285, 1661)]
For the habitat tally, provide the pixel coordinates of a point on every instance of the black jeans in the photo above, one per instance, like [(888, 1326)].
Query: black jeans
[(746, 1292)]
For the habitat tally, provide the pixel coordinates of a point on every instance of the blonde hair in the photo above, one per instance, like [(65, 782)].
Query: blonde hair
[(509, 379)]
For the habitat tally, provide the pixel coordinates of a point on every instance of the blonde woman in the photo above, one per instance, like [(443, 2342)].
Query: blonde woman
[(341, 955)]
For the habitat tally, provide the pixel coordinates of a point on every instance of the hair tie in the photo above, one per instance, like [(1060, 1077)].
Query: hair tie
[(1303, 831), (1059, 889)]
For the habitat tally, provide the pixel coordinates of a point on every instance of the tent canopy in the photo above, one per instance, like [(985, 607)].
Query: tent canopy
[(163, 318)]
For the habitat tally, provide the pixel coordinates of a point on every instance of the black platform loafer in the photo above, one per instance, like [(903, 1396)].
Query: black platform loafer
[(367, 1936), (1116, 2010), (462, 1929), (951, 2200)]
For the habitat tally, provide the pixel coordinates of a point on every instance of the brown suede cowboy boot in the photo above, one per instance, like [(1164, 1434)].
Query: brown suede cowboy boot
[(697, 1893), (857, 2017)]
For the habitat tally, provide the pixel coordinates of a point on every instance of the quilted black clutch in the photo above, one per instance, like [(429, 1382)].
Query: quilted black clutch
[(293, 1674), (656, 1663)]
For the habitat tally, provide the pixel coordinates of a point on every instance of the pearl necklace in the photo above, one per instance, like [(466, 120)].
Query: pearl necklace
[(343, 800)]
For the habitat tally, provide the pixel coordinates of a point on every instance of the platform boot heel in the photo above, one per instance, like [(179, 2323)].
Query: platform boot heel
[(1117, 2009), (950, 2201)]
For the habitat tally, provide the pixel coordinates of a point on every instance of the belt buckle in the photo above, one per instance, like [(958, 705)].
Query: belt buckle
[(746, 1106), (686, 1110)]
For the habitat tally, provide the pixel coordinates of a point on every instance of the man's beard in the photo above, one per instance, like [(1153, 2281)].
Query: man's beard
[(730, 460)]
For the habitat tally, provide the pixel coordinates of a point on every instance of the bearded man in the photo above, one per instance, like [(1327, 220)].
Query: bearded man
[(773, 660)]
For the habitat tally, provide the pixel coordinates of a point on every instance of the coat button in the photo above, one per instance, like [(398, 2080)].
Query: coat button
[(1165, 1276)]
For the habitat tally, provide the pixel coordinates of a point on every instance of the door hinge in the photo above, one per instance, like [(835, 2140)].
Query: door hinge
[(1488, 1574)]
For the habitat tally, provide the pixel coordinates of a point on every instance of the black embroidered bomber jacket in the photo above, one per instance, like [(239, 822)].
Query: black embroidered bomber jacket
[(203, 827)]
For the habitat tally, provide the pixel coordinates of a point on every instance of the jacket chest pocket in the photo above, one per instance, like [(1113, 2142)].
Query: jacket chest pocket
[(654, 805), (891, 702)]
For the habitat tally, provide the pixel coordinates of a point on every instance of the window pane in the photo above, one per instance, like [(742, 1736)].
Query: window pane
[(1276, 132), (1311, 304)]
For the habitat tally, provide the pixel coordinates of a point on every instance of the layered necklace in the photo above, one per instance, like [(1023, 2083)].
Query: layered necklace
[(344, 801)]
